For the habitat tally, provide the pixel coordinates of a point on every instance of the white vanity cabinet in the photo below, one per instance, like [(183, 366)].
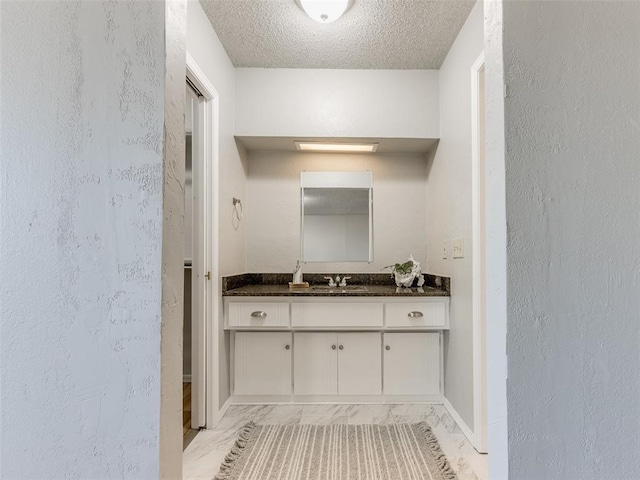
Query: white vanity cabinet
[(316, 360), (310, 349), (327, 313), (359, 363), (262, 363), (411, 363), (342, 363), (417, 314), (258, 314)]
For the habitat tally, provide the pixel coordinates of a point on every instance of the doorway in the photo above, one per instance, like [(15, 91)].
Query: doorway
[(195, 266), (202, 108), (478, 169)]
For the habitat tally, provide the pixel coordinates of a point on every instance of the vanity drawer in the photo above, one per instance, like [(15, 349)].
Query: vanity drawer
[(256, 314), (416, 314), (337, 314)]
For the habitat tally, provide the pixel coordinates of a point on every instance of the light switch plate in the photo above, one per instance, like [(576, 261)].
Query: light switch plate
[(445, 249), (458, 248)]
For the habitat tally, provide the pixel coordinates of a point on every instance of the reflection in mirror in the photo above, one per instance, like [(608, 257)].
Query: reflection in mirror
[(336, 217)]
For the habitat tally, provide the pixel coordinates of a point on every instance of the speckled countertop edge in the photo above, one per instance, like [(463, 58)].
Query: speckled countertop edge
[(377, 285)]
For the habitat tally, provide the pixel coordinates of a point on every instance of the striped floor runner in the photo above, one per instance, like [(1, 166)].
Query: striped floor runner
[(399, 451)]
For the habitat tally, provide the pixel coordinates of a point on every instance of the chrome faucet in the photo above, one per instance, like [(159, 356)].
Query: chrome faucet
[(337, 282), (332, 283)]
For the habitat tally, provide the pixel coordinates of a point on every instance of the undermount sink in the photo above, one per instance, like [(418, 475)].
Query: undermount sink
[(346, 289)]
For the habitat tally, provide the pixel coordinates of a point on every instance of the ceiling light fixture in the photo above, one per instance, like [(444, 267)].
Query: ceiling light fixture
[(336, 147), (325, 11)]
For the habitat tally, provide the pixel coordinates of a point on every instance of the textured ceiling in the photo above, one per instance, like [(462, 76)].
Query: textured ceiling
[(381, 34)]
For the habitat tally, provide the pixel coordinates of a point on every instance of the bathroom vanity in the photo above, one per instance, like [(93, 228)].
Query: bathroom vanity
[(367, 342)]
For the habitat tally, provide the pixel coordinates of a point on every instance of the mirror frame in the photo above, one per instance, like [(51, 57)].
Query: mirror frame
[(363, 180)]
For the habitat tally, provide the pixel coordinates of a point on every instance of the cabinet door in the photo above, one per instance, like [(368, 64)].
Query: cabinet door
[(359, 364), (316, 363), (411, 363), (262, 363)]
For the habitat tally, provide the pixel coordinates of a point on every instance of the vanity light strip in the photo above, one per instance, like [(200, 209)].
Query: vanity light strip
[(336, 147)]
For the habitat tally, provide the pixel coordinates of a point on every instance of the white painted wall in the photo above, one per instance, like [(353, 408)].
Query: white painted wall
[(81, 184), (496, 249), (449, 208), (399, 208), (205, 48), (572, 116), (337, 103)]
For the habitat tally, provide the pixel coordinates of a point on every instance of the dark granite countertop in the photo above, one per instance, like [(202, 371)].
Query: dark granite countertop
[(360, 285)]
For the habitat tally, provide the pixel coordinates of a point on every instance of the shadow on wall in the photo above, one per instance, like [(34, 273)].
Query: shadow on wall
[(431, 156)]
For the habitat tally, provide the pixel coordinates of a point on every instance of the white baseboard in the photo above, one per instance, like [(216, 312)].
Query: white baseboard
[(458, 419), (334, 399), (186, 378), (220, 414)]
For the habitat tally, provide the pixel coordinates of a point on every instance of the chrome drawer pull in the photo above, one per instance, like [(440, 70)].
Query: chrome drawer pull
[(415, 314), (333, 347), (259, 314), (287, 347), (387, 347)]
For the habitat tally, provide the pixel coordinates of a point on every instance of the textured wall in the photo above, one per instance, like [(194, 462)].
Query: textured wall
[(173, 241), (337, 103), (80, 228), (449, 208), (399, 212), (572, 117), (205, 48)]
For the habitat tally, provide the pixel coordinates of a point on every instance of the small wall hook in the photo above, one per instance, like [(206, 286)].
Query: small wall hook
[(237, 208)]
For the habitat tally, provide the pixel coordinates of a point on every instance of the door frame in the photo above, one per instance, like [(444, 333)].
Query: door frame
[(209, 332), (198, 257), (479, 272)]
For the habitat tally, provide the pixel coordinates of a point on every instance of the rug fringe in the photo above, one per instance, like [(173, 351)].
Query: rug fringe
[(241, 442), (432, 443)]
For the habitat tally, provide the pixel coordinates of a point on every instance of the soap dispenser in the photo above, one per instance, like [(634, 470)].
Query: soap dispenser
[(297, 273)]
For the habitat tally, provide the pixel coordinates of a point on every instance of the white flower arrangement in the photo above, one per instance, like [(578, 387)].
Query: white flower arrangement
[(405, 273)]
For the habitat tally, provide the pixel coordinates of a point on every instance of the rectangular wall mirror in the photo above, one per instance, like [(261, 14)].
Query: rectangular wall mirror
[(336, 216)]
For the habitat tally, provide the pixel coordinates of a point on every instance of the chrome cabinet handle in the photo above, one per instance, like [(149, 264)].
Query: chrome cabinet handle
[(415, 314), (259, 314), (287, 347), (387, 347), (341, 347), (333, 347)]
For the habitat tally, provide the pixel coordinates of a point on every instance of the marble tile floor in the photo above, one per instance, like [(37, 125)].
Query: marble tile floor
[(203, 456)]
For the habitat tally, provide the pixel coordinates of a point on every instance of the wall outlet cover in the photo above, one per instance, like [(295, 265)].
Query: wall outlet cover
[(458, 248), (445, 249)]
